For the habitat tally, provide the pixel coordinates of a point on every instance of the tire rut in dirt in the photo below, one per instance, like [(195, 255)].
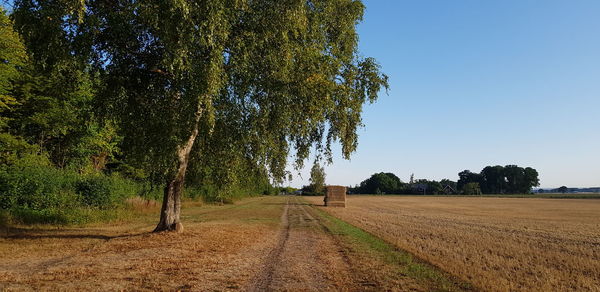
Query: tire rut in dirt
[(265, 276)]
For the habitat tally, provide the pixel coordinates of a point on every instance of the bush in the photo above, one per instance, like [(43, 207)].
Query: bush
[(33, 191), (106, 191), (36, 186), (95, 191), (47, 216), (61, 216)]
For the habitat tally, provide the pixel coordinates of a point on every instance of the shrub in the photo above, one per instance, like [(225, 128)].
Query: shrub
[(33, 191), (62, 216), (206, 193), (95, 191), (105, 191), (36, 186)]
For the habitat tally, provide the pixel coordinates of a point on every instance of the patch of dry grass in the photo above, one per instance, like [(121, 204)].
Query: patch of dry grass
[(498, 244), (219, 250)]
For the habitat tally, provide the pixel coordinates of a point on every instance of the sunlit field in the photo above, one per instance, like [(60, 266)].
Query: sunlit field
[(497, 244)]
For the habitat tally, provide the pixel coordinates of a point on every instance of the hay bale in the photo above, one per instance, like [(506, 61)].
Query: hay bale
[(335, 196)]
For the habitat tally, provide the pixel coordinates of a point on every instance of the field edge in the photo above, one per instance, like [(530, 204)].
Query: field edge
[(402, 261)]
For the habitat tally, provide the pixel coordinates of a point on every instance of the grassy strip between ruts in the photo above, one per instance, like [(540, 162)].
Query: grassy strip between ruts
[(402, 262)]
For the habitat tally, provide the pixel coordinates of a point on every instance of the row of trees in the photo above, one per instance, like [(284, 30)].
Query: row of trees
[(207, 94), (389, 183), (509, 179)]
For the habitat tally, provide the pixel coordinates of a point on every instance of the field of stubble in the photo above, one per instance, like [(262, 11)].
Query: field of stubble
[(497, 244)]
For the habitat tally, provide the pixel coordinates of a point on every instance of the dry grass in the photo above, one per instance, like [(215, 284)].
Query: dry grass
[(219, 250), (497, 244)]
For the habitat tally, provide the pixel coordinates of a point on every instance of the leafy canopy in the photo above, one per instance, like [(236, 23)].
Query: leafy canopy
[(264, 77)]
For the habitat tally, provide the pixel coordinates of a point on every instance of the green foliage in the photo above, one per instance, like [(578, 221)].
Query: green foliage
[(317, 181), (32, 183), (13, 64), (465, 177), (380, 183), (32, 190), (97, 146), (308, 192), (426, 187), (13, 148), (493, 180), (94, 192), (388, 183), (248, 182), (55, 92), (59, 118), (510, 179), (271, 75), (103, 88), (472, 188), (285, 190), (105, 191), (60, 216), (13, 58)]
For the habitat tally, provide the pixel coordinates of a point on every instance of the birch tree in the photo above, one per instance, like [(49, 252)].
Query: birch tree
[(222, 80)]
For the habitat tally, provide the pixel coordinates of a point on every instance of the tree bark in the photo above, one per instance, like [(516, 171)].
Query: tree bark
[(171, 206)]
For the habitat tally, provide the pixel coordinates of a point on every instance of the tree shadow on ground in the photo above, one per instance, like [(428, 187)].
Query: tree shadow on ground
[(41, 233)]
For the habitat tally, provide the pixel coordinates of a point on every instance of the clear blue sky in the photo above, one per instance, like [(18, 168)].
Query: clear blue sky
[(476, 83)]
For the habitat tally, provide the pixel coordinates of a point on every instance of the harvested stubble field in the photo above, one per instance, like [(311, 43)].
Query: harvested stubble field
[(497, 244)]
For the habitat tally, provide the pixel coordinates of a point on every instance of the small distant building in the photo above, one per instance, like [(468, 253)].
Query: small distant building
[(335, 196)]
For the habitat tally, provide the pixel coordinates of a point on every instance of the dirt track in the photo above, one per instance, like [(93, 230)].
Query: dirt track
[(305, 257)]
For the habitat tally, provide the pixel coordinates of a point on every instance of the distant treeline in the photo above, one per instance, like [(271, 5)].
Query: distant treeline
[(510, 179), (565, 189)]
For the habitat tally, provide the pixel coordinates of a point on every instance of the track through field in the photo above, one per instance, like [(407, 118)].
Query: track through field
[(306, 257)]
